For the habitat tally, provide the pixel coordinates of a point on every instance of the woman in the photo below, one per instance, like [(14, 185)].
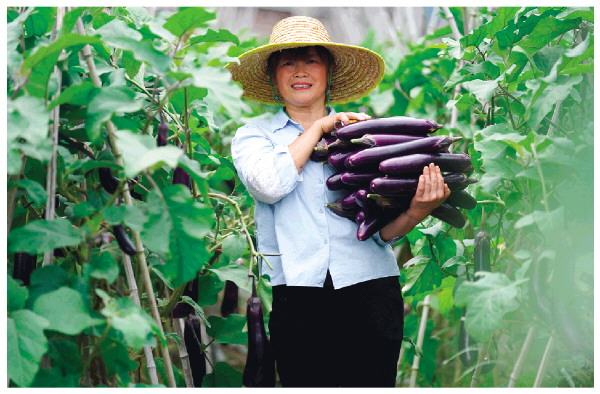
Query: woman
[(337, 315)]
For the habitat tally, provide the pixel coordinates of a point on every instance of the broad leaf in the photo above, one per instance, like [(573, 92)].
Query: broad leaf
[(487, 300), (103, 266), (216, 36), (222, 93), (28, 131), (235, 273), (187, 20), (17, 295), (36, 193), (176, 229), (26, 344), (65, 310), (40, 236), (135, 325), (141, 153), (545, 31), (223, 375), (422, 275), (228, 330)]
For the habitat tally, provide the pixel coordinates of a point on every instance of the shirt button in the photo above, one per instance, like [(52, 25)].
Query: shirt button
[(321, 210), (325, 241), (320, 181)]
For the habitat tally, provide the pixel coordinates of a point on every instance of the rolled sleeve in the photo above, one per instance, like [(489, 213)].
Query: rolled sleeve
[(377, 238), (266, 169)]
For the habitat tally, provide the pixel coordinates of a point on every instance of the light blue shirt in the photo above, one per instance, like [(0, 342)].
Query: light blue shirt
[(291, 218)]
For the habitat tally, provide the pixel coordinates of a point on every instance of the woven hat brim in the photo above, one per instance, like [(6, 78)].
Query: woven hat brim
[(356, 73)]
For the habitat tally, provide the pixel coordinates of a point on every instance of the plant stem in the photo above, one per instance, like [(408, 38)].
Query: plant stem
[(183, 354), (420, 337), (51, 174), (110, 128), (521, 359), (543, 364)]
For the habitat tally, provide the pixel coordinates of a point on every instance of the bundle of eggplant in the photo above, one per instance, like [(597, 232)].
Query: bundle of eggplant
[(379, 161)]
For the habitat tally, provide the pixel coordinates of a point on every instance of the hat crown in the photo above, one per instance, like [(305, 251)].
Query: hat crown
[(299, 29)]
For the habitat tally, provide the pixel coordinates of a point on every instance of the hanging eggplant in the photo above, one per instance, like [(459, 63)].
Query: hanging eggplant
[(259, 370), (192, 337)]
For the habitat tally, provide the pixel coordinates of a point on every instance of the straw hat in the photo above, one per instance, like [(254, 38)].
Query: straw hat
[(356, 72)]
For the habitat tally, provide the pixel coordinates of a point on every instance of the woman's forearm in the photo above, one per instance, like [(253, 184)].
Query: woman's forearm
[(400, 226), (303, 146)]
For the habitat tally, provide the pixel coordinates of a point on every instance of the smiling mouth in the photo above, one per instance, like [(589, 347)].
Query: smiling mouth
[(301, 86)]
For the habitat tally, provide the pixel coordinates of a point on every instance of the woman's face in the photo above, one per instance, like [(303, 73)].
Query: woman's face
[(302, 82)]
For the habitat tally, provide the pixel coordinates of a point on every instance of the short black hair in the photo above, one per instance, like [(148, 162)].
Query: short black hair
[(297, 53)]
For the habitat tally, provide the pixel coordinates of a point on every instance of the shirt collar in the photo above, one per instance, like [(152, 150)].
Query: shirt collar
[(281, 119)]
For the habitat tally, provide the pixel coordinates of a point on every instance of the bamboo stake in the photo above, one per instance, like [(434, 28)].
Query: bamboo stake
[(110, 128), (543, 364), (134, 295), (183, 354), (519, 363), (457, 88), (419, 344), (51, 174)]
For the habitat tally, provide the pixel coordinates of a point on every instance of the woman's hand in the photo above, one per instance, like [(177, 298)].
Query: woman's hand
[(431, 193), (327, 123)]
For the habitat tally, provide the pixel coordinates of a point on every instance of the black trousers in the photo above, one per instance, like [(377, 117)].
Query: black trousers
[(348, 337)]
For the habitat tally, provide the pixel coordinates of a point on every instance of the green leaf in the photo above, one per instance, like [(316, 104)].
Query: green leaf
[(136, 326), (547, 97), (482, 90), (223, 375), (26, 344), (28, 119), (487, 300), (216, 36), (79, 94), (141, 153), (44, 280), (197, 308), (130, 215), (119, 35), (63, 42), (228, 330), (105, 103), (222, 93), (503, 17), (176, 229), (445, 297), (233, 246), (188, 19), (35, 192), (422, 275), (235, 273), (65, 310), (40, 236), (546, 30), (209, 286), (104, 266), (17, 295)]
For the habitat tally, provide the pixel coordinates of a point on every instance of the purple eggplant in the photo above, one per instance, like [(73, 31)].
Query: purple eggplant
[(380, 153), (392, 186), (358, 179), (123, 240), (163, 131), (24, 264), (375, 140), (337, 208), (349, 201), (192, 337), (449, 214), (361, 197), (334, 182), (181, 177), (110, 182), (391, 201), (229, 304), (391, 125), (337, 159), (360, 216), (259, 370), (461, 199), (448, 162)]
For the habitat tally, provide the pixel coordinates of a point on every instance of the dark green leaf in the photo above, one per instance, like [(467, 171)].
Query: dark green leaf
[(17, 295), (35, 192), (209, 286), (213, 36), (39, 236), (104, 266), (422, 275), (65, 310), (176, 228), (545, 31), (26, 344), (223, 375), (228, 330), (188, 19), (80, 94), (44, 280), (40, 21), (487, 300)]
